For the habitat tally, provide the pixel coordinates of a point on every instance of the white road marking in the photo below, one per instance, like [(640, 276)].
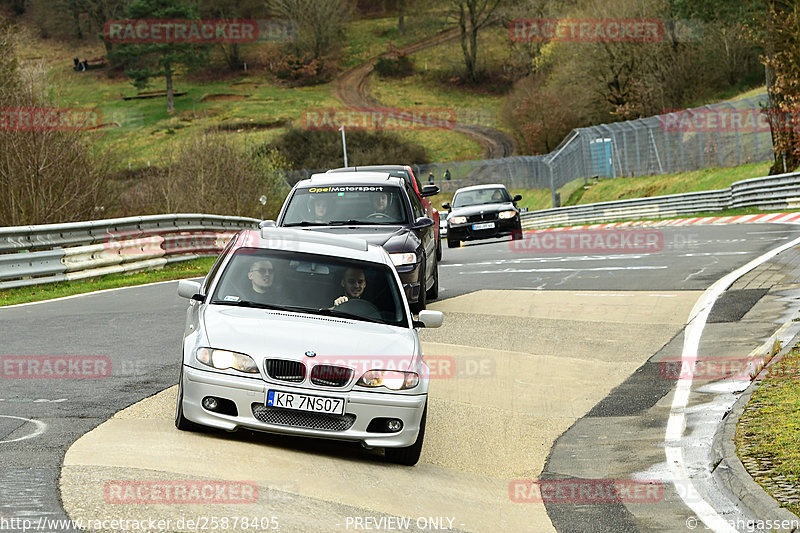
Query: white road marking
[(673, 438), (41, 427), (32, 400), (529, 270)]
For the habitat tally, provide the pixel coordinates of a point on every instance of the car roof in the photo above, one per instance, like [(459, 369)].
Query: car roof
[(368, 168), (477, 187), (313, 242), (356, 178)]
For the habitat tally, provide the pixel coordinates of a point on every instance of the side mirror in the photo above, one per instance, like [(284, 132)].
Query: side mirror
[(446, 205), (430, 190), (430, 319), (423, 222), (517, 197), (190, 289)]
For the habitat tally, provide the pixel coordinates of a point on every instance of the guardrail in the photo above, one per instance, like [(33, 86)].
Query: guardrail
[(32, 255), (768, 193)]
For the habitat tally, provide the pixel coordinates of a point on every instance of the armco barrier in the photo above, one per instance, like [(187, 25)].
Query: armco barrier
[(771, 192), (32, 255)]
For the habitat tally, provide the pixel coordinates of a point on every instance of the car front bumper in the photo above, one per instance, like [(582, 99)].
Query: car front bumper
[(246, 393), (502, 228)]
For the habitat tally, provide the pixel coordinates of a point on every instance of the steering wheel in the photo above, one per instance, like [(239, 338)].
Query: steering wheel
[(379, 215), (357, 306)]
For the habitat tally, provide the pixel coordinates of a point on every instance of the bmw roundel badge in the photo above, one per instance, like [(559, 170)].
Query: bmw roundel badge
[(311, 354)]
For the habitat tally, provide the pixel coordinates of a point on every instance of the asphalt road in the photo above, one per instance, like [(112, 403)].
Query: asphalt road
[(137, 332)]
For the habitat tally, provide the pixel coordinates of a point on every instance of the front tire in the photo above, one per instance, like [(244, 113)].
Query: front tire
[(409, 455), (453, 243), (421, 302), (439, 250), (433, 292)]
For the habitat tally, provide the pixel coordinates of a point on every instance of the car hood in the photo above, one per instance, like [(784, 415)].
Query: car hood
[(262, 334), (392, 238), (477, 209)]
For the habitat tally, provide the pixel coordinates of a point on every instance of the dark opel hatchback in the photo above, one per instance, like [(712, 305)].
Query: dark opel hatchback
[(378, 208), (482, 212)]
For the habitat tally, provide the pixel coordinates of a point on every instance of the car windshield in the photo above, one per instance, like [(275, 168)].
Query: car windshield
[(481, 196), (313, 284), (346, 204)]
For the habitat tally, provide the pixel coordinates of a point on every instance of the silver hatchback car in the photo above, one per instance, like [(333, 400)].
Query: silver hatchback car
[(308, 334)]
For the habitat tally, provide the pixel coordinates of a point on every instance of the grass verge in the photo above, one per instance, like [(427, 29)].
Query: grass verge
[(646, 186), (766, 436), (49, 291)]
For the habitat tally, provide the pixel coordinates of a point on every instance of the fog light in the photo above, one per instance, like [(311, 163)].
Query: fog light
[(210, 403), (394, 425)]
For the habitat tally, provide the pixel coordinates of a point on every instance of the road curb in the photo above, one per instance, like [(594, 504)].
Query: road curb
[(731, 473)]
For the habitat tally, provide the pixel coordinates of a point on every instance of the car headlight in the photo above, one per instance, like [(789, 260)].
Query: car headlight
[(408, 258), (391, 379), (223, 360), (458, 220), (506, 214)]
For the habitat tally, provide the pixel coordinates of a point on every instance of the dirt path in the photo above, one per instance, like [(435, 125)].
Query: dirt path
[(351, 88)]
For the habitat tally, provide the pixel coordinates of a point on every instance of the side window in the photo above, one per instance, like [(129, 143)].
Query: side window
[(416, 205), (215, 267)]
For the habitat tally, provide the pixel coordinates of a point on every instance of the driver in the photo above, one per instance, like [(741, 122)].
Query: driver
[(497, 197), (380, 202), (261, 276), (319, 208), (354, 283)]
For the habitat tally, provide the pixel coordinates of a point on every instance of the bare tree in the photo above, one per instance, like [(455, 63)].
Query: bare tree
[(47, 174), (222, 177), (319, 24), (472, 16), (780, 35)]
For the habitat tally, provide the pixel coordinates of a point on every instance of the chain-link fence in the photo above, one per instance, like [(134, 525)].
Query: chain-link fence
[(719, 135)]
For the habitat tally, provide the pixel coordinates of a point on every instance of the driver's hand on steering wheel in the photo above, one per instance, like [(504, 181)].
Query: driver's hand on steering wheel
[(340, 300)]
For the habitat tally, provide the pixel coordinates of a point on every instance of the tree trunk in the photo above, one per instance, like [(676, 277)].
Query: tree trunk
[(468, 58), (401, 15), (473, 51), (170, 94)]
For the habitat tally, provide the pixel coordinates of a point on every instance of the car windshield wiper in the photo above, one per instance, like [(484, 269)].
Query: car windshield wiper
[(259, 305), (305, 223), (347, 222), (334, 312)]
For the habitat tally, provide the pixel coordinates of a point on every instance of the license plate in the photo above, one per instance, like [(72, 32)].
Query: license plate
[(305, 402), (485, 225)]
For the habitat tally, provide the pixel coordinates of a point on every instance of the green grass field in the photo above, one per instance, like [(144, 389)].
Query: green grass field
[(639, 187), (189, 269), (766, 437)]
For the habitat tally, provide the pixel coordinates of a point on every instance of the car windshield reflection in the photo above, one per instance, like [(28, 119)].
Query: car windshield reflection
[(313, 284), (481, 197), (346, 205)]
